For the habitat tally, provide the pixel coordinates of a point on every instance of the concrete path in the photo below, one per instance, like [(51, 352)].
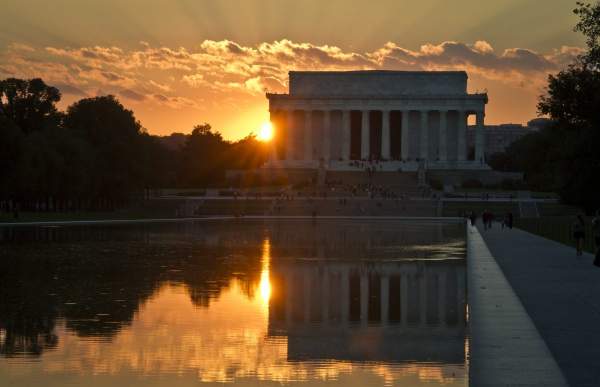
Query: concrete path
[(561, 294), (505, 347)]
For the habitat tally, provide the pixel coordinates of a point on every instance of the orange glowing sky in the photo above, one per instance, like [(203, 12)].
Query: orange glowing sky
[(178, 63)]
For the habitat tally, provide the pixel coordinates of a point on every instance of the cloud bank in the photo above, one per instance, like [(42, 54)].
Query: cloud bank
[(227, 73)]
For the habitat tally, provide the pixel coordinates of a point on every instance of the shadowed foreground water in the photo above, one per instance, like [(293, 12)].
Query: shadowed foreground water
[(350, 303)]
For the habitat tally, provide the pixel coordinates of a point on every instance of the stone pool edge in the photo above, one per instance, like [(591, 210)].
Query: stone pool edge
[(505, 347), (254, 217)]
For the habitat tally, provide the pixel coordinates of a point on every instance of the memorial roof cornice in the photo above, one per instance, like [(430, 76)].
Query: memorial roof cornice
[(286, 96), (379, 72)]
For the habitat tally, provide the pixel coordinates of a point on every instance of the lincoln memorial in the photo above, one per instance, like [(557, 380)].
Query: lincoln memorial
[(402, 119)]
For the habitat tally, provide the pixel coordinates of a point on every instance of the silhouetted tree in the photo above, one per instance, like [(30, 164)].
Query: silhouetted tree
[(248, 153), (10, 150), (203, 158), (589, 26), (565, 157), (573, 100), (54, 166), (159, 163), (115, 137), (29, 104), (97, 154)]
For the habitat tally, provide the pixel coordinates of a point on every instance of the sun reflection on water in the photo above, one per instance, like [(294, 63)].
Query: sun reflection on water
[(265, 284), (228, 332), (224, 343)]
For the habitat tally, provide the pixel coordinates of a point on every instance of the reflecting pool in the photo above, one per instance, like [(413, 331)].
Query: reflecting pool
[(352, 303)]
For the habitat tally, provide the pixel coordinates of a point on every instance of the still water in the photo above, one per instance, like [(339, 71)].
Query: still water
[(350, 303)]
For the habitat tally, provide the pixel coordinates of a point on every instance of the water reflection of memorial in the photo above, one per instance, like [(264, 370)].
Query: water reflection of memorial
[(385, 311), (83, 275)]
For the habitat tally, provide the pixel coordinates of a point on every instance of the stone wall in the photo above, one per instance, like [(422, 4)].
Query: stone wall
[(377, 83), (457, 177)]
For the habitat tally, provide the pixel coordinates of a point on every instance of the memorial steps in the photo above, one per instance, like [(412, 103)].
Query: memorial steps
[(306, 207), (401, 183)]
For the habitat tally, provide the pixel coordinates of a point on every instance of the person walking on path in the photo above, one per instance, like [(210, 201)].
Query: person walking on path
[(596, 234), (473, 218), (487, 220), (579, 233)]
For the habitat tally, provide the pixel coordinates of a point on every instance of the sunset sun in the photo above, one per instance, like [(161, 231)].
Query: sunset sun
[(266, 131)]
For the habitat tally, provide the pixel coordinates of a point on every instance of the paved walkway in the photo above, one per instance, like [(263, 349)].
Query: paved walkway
[(505, 349), (561, 294)]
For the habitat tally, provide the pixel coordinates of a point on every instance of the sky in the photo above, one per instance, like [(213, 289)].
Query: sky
[(178, 63)]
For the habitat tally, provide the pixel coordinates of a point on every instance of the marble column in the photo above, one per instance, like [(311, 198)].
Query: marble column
[(346, 135), (405, 131), (364, 298), (385, 135), (461, 143), (422, 299), (326, 144), (479, 138), (307, 288), (289, 152), (325, 296), (442, 298), (273, 152), (273, 144), (424, 153), (365, 136), (288, 297), (345, 296), (308, 135), (442, 143), (461, 297), (385, 299), (404, 299)]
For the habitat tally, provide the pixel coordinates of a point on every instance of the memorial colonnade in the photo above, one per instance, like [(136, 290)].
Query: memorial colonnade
[(310, 134)]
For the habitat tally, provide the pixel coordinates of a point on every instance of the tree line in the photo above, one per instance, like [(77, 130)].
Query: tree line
[(565, 156), (97, 155)]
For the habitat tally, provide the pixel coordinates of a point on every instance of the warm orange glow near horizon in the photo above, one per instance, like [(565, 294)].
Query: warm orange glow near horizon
[(174, 72), (265, 283), (266, 131), (207, 345)]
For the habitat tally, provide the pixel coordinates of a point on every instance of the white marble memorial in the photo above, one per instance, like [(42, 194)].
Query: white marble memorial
[(331, 119)]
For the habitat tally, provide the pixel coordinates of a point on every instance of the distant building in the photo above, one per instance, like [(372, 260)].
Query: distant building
[(539, 123), (499, 137), (174, 141)]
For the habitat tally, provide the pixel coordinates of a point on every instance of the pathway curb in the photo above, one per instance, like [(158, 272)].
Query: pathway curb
[(505, 348)]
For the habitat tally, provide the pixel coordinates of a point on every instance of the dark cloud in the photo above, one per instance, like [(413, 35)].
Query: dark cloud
[(65, 88), (5, 71), (111, 76), (133, 95)]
